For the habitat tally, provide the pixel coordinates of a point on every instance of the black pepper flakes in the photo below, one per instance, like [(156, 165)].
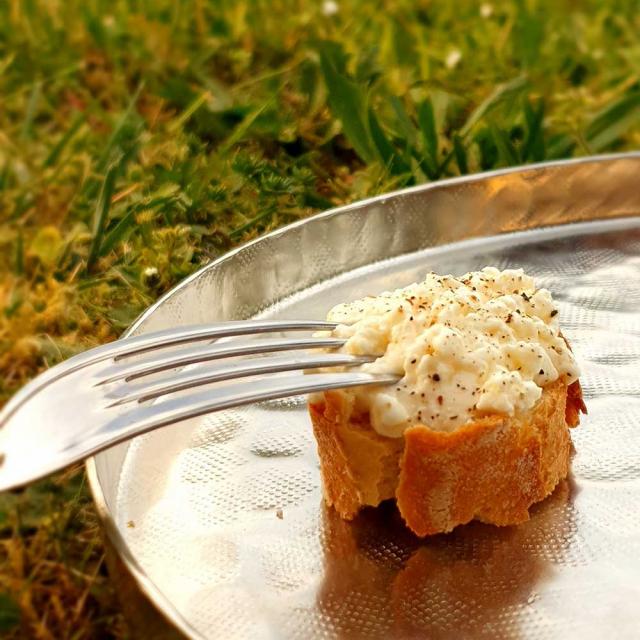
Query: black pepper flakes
[(554, 312), (436, 377), (439, 399), (541, 372)]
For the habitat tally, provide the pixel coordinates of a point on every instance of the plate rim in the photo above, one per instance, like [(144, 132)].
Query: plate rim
[(148, 588)]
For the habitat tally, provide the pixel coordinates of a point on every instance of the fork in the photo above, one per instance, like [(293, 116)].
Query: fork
[(120, 390)]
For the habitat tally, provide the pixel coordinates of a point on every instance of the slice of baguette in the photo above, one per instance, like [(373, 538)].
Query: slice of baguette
[(490, 470)]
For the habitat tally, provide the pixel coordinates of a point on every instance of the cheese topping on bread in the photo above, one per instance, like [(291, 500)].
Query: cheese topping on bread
[(486, 342)]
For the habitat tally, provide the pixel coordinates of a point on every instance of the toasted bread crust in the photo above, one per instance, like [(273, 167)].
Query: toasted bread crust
[(491, 470)]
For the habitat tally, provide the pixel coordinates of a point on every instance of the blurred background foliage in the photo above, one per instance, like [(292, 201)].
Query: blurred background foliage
[(139, 139)]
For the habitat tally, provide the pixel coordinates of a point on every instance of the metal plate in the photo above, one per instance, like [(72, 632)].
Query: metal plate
[(221, 519)]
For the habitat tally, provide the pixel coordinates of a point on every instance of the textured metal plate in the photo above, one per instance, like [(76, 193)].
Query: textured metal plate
[(222, 519)]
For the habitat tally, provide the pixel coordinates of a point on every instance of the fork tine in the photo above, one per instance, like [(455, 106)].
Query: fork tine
[(184, 357), (127, 347), (156, 340), (151, 416), (196, 333), (255, 366)]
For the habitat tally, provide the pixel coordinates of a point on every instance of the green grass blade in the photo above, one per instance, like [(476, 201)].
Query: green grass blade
[(349, 103), (394, 163), (404, 127), (238, 232), (27, 124), (534, 144), (125, 225), (487, 149), (460, 154), (614, 121), (179, 122), (60, 146), (243, 128), (94, 25), (528, 34), (507, 153), (101, 214), (105, 156), (504, 93), (382, 144), (560, 146), (427, 123)]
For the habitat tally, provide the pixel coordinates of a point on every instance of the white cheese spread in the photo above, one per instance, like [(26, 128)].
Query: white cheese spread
[(486, 342)]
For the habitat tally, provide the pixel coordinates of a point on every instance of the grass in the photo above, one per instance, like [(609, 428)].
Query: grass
[(140, 139)]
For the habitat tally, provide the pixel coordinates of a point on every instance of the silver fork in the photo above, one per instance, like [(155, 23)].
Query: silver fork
[(120, 390)]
